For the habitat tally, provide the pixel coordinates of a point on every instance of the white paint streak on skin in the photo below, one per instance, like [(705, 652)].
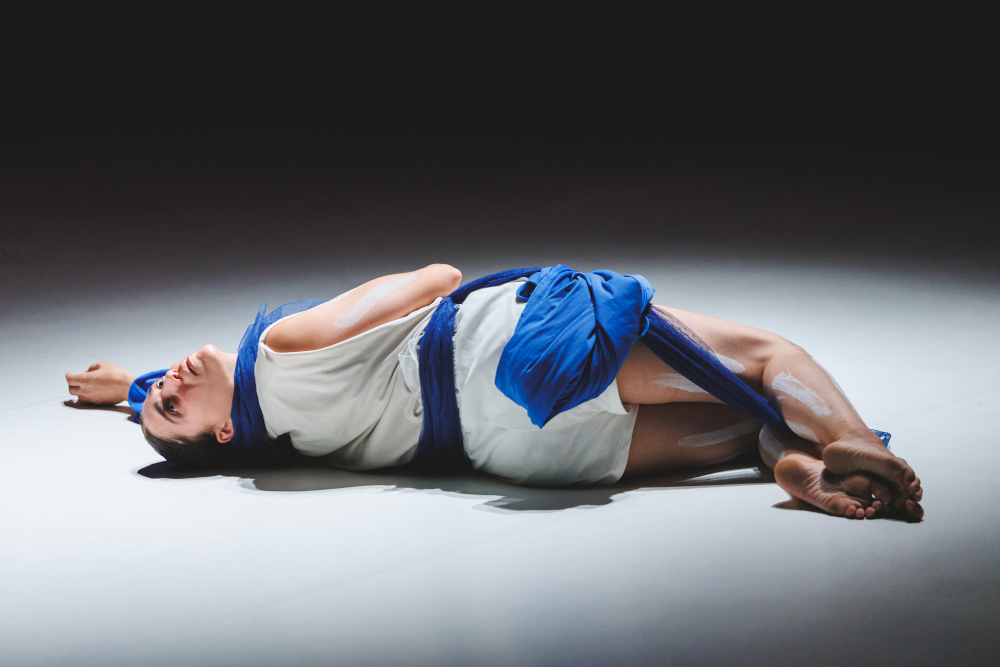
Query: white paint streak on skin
[(340, 296), (677, 381), (354, 314), (731, 364), (803, 431), (771, 444), (787, 384), (722, 435)]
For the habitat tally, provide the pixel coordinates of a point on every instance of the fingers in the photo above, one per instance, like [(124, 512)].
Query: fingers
[(94, 367)]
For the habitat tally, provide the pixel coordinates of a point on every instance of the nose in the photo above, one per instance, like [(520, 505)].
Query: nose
[(172, 377)]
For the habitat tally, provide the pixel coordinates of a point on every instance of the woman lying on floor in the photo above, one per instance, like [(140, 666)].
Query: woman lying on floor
[(571, 393)]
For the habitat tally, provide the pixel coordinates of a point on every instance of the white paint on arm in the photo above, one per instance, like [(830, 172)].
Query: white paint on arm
[(786, 383), (341, 296), (354, 314), (720, 436)]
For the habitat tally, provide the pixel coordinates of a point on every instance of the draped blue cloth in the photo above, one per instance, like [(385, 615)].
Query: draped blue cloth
[(249, 433), (572, 338), (569, 344), (441, 445)]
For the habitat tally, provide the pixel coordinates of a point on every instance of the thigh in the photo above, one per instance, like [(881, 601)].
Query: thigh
[(683, 435), (645, 379)]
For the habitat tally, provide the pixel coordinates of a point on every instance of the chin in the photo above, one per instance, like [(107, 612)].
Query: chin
[(210, 351)]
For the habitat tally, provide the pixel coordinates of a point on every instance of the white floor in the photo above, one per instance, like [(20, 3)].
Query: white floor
[(108, 557)]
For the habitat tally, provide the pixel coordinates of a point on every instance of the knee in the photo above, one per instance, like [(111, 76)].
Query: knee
[(766, 347)]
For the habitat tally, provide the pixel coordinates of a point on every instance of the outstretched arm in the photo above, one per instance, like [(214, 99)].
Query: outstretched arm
[(363, 308), (101, 384)]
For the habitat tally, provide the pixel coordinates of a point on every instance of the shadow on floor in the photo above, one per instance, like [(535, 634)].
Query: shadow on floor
[(747, 469)]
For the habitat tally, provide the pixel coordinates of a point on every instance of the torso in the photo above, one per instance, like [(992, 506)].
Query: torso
[(331, 401), (356, 405)]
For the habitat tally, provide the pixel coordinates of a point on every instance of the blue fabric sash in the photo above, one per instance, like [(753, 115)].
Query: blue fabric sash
[(249, 433), (440, 445), (569, 344)]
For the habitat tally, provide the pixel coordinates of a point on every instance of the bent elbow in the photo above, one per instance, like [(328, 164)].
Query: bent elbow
[(449, 277)]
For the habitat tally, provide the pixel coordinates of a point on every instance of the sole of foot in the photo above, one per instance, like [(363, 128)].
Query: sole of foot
[(901, 489), (809, 480)]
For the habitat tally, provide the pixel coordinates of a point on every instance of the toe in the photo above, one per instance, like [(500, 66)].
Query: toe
[(870, 512), (858, 486), (877, 505), (909, 476), (918, 495), (881, 492)]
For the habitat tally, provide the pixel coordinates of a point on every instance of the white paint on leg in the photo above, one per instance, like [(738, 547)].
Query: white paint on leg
[(803, 431), (677, 381), (719, 436), (770, 443), (786, 383), (354, 314), (731, 364)]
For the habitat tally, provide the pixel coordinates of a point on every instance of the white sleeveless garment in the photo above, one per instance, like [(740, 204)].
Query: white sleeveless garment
[(356, 405)]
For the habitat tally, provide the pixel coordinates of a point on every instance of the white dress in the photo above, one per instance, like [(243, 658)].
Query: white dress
[(356, 405)]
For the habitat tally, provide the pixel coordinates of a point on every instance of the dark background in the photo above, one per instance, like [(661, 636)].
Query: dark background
[(214, 142)]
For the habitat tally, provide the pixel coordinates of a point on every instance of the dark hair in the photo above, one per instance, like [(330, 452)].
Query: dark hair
[(202, 451), (205, 451)]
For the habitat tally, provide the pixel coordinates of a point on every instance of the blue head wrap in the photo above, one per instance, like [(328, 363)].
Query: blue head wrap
[(249, 435), (140, 389)]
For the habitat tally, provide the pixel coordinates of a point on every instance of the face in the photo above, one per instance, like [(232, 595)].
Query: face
[(196, 395)]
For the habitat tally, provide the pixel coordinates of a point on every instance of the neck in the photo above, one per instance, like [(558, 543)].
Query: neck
[(230, 360)]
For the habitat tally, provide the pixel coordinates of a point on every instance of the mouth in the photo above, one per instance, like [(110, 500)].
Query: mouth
[(190, 366)]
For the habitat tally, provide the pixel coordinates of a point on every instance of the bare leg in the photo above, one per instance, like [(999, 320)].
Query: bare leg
[(675, 436), (685, 435), (801, 473), (807, 397)]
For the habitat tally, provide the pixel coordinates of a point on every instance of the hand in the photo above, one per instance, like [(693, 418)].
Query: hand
[(102, 384)]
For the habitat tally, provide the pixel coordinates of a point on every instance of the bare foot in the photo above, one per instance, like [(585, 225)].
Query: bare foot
[(902, 491), (808, 479)]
